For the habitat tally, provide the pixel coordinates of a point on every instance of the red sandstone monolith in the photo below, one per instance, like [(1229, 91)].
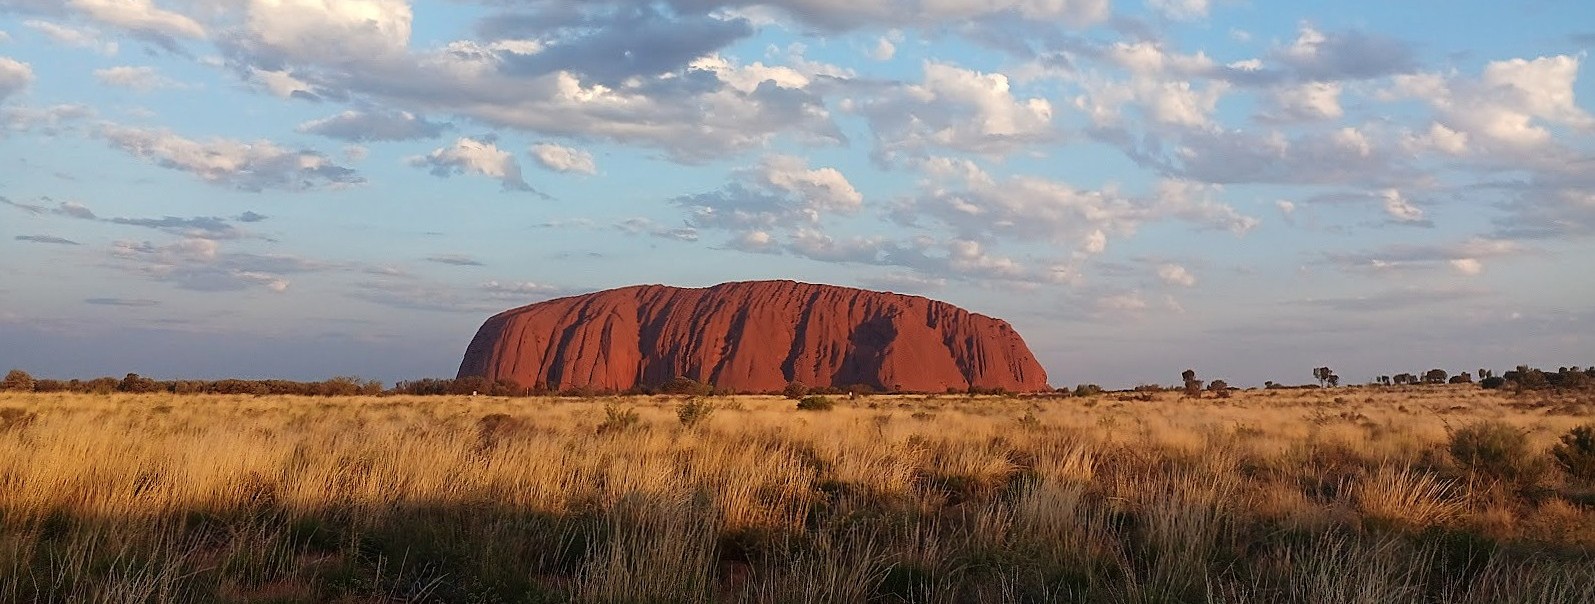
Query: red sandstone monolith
[(755, 336)]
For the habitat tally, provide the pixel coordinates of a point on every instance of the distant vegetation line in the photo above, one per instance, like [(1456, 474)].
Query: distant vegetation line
[(1521, 378)]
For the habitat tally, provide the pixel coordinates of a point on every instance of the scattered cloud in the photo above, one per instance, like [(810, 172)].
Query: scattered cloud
[(1174, 274), (199, 264), (1396, 299), (647, 226), (454, 260), (374, 126), (138, 79), (46, 239), (71, 36), (472, 156), (564, 159), (246, 166), (15, 76)]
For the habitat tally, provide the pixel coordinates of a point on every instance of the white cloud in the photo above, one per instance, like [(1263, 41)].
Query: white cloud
[(977, 206), (825, 189), (373, 125), (781, 192), (884, 49), (280, 83), (15, 76), (955, 108), (249, 166), (198, 264), (341, 30), (472, 156), (1510, 104), (70, 36), (1308, 101), (140, 79), (1174, 274), (564, 159), (1399, 209), (141, 16), (1467, 266)]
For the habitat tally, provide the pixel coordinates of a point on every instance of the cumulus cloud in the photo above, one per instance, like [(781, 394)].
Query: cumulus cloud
[(374, 126), (782, 191), (247, 166), (1345, 55), (560, 158), (1509, 105), (958, 109), (15, 76), (976, 205), (328, 29), (140, 79), (1307, 101), (473, 156)]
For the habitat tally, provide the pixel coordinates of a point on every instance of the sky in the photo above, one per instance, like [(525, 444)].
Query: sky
[(304, 189)]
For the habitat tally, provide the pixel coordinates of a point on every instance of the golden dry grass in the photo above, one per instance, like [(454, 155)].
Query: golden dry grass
[(1346, 495)]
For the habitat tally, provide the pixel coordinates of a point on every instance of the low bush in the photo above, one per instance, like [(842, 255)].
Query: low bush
[(1496, 450), (617, 419), (1576, 453), (815, 403), (694, 411)]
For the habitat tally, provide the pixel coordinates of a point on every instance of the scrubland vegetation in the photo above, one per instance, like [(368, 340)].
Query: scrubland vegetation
[(1373, 494)]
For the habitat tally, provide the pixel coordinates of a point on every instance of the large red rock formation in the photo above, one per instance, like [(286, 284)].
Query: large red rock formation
[(755, 336)]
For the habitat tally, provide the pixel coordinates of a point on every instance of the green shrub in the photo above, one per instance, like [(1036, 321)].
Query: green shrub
[(1576, 453), (1495, 449), (795, 390), (815, 403), (617, 419), (694, 411)]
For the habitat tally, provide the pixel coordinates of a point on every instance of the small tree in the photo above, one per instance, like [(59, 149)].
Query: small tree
[(1325, 375), (17, 379), (1220, 388), (1434, 376), (1193, 386)]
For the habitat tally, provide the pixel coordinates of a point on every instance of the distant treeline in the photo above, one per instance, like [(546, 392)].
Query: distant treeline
[(1523, 378), (19, 380)]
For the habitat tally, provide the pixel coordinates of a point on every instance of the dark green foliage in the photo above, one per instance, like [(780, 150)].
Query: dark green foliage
[(815, 403), (694, 411), (1496, 450), (617, 419), (685, 385), (795, 390), (1493, 382), (1575, 454)]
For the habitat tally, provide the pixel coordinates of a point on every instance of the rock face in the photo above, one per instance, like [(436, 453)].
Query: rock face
[(753, 336)]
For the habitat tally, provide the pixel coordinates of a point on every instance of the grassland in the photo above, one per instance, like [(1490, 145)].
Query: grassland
[(1344, 495)]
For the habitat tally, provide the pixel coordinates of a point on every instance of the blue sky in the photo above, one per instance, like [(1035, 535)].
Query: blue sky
[(310, 188)]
